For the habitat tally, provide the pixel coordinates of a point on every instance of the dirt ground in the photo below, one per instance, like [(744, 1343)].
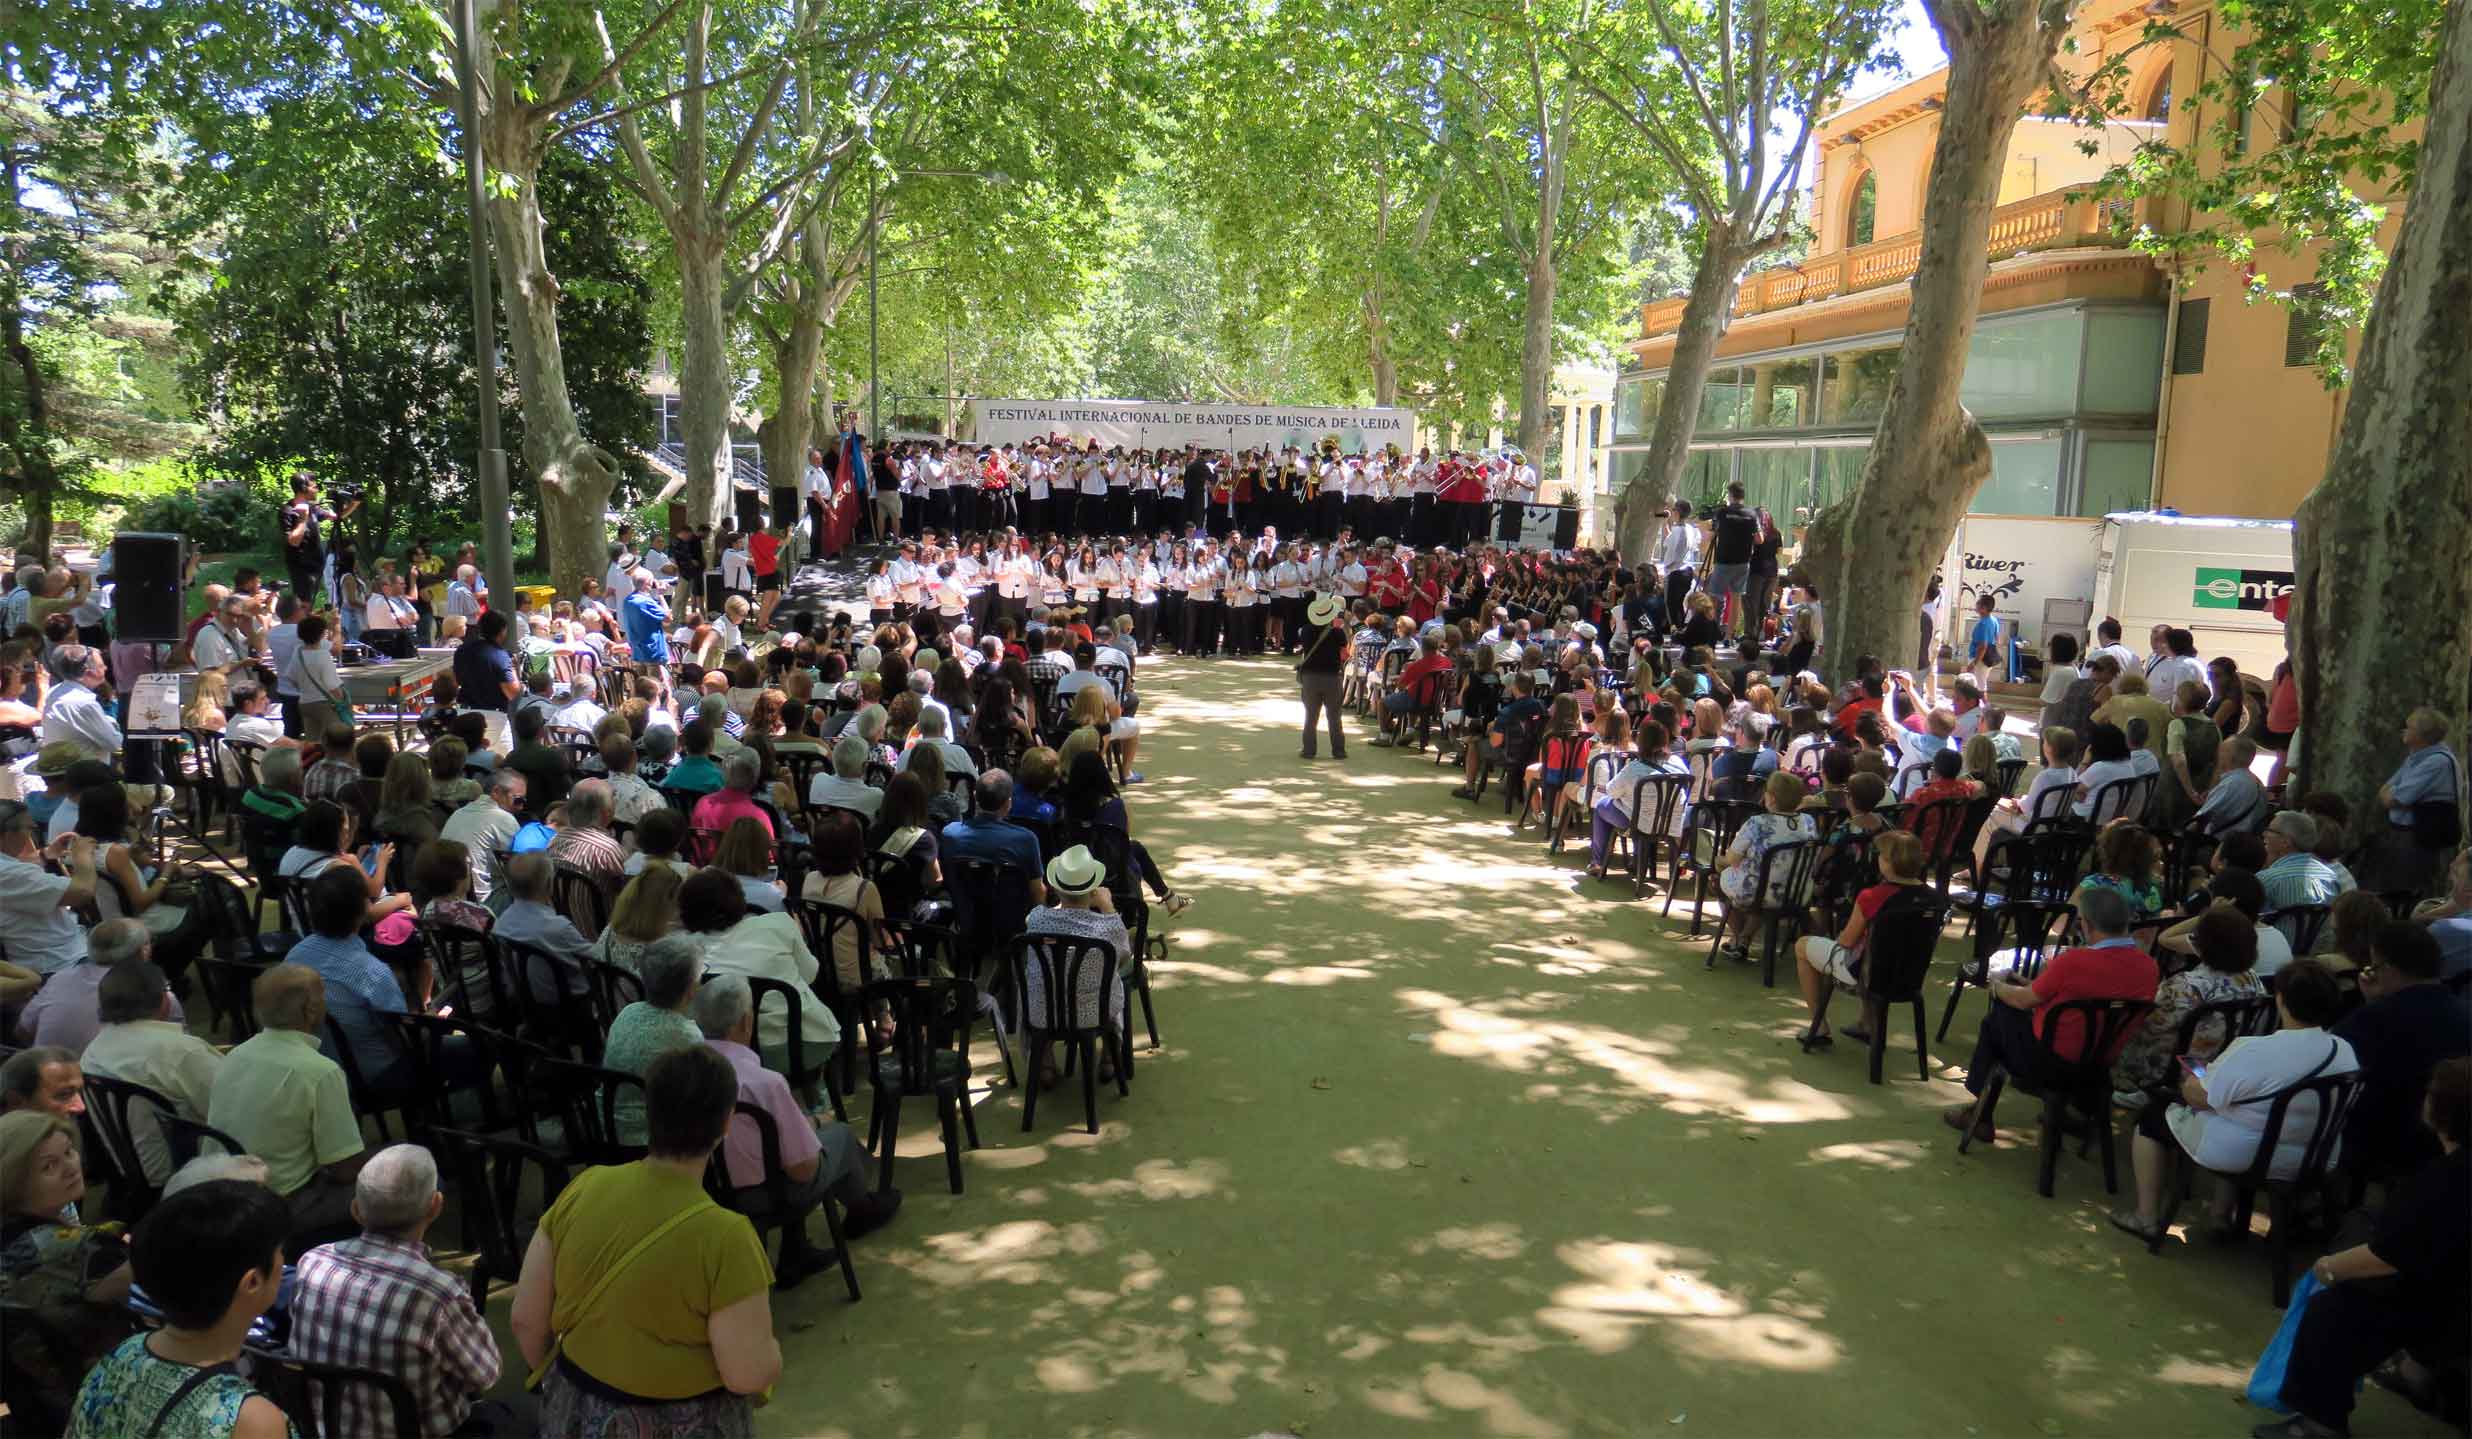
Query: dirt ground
[(1446, 1140)]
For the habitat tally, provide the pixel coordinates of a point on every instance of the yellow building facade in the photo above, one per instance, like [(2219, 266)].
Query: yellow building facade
[(2103, 384)]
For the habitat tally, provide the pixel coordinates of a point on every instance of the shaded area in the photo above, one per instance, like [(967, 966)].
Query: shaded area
[(1448, 1142)]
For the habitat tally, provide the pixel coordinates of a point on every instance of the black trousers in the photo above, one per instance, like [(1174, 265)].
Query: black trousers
[(1201, 626), (815, 526), (2007, 1035), (1677, 589), (2348, 1330)]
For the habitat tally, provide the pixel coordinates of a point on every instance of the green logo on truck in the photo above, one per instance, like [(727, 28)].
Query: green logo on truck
[(2222, 589)]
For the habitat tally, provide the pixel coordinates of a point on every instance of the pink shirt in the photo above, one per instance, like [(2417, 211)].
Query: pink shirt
[(743, 1149), (725, 807)]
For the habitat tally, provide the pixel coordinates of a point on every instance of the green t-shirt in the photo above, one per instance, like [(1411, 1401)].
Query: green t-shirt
[(647, 1334)]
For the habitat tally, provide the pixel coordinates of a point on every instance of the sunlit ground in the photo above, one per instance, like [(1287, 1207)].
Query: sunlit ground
[(1446, 1141)]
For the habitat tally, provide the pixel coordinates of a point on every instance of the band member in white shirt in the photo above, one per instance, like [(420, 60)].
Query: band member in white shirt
[(1420, 500), (1201, 631), (1142, 577), (1014, 572), (1090, 515), (1678, 556)]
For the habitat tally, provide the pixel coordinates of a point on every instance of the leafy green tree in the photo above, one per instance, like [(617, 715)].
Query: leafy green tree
[(335, 332), (1706, 90)]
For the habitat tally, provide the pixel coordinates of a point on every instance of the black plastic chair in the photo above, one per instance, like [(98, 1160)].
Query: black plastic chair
[(1651, 834), (772, 1207), (798, 1068), (230, 992), (562, 1021), (184, 1137), (2011, 771), (110, 1106), (930, 1055), (1052, 1011), (2030, 931), (1780, 894), (488, 1172), (364, 1098), (2082, 1083), (2302, 924), (1719, 819), (2334, 1096), (578, 896), (1519, 746), (613, 989), (1113, 849), (2232, 1018), (1897, 956), (583, 1100), (466, 970), (311, 1395), (2030, 867), (2124, 796), (823, 925), (428, 1039)]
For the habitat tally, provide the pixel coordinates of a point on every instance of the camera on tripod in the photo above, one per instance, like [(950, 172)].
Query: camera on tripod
[(344, 494)]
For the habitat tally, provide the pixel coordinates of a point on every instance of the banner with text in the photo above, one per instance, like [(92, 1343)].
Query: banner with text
[(1145, 425)]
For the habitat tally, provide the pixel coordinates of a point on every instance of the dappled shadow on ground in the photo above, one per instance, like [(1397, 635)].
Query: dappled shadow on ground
[(1440, 1146)]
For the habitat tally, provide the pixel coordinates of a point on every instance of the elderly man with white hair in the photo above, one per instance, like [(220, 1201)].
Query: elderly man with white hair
[(584, 841), (64, 1012), (818, 1156), (845, 786), (935, 728), (2294, 876), (71, 712), (463, 600), (381, 1302), (530, 919)]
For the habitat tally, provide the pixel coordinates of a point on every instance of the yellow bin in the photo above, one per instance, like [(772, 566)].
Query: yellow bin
[(542, 596)]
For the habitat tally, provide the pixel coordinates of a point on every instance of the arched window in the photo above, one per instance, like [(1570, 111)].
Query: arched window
[(2158, 108), (1862, 216)]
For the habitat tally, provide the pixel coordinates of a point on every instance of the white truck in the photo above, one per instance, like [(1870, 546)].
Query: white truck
[(2217, 578)]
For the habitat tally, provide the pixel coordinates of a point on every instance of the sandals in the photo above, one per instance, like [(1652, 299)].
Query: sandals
[(2127, 1222), (1814, 1043)]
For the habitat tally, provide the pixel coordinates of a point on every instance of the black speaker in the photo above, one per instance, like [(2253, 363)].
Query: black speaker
[(785, 506), (146, 593), (750, 505)]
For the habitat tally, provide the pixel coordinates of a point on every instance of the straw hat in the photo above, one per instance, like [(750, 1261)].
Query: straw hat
[(1075, 872), (1325, 609), (54, 759)]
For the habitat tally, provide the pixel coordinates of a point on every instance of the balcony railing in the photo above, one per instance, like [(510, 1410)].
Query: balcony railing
[(2054, 220)]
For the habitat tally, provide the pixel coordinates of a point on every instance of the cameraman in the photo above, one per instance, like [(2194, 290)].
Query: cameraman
[(304, 550)]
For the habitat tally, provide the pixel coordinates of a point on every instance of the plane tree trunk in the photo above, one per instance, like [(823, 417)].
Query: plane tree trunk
[(1929, 457), (2382, 548)]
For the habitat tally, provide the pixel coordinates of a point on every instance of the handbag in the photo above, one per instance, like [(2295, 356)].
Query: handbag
[(2266, 1380), (600, 1286), (342, 704)]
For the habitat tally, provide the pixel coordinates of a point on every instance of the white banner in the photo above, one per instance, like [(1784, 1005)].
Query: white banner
[(1144, 425)]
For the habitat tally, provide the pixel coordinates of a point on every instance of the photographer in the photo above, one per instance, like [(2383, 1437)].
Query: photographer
[(304, 549)]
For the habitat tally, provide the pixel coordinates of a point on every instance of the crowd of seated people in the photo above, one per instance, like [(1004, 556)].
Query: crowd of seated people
[(712, 789)]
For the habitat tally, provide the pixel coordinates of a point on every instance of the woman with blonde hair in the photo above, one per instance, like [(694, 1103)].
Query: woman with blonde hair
[(206, 708), (647, 909)]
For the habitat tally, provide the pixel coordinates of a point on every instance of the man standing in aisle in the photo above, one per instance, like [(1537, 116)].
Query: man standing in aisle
[(1678, 556), (1734, 534), (304, 551)]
